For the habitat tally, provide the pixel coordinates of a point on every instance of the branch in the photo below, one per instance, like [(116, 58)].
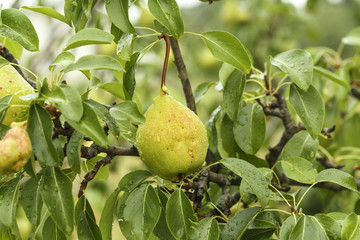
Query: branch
[(94, 150), (355, 93), (5, 53), (180, 65)]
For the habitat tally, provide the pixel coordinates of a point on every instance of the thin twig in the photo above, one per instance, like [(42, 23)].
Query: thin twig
[(166, 60)]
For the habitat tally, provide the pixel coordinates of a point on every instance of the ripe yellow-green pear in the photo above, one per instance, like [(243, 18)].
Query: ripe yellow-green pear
[(11, 83), (173, 141), (15, 148)]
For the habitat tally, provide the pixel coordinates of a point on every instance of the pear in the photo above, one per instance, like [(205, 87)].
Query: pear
[(173, 141), (15, 148), (12, 83)]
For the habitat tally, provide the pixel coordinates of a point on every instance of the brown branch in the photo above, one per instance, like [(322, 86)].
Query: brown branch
[(5, 53), (91, 175), (94, 150), (355, 93), (180, 65)]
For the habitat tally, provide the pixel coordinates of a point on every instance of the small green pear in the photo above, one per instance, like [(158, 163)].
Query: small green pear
[(12, 83), (15, 148), (173, 141)]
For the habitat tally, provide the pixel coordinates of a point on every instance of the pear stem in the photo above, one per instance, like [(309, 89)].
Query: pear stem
[(166, 60)]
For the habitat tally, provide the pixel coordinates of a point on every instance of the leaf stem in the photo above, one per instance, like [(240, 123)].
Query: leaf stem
[(282, 196), (302, 197), (277, 210)]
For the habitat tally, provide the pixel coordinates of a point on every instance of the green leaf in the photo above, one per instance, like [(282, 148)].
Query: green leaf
[(208, 229), (64, 58), (118, 12), (352, 38), (162, 230), (86, 223), (250, 128), (51, 231), (107, 215), (89, 125), (332, 76), (133, 179), (104, 115), (227, 136), (227, 48), (310, 107), (306, 229), (298, 65), (127, 131), (91, 62), (6, 233), (299, 169), (287, 227), (337, 176), (3, 61), (129, 81), (238, 224), (301, 145), (127, 111), (9, 196), (251, 175), (5, 104), (180, 216), (102, 174), (330, 225), (142, 211), (66, 98), (73, 149), (39, 128), (17, 27), (168, 14), (48, 11), (233, 90), (125, 46), (89, 36), (201, 89), (31, 201), (351, 227), (115, 88), (14, 47), (56, 192)]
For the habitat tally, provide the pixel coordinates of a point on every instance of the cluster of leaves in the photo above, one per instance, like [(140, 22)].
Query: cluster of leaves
[(305, 89)]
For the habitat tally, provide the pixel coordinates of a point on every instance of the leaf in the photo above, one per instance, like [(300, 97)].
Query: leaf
[(31, 200), (16, 26), (66, 98), (297, 64), (238, 224), (73, 149), (251, 175), (168, 14), (233, 90), (287, 227), (352, 38), (332, 76), (86, 223), (208, 229), (350, 227), (107, 215), (9, 196), (227, 136), (115, 88), (161, 229), (89, 125), (103, 172), (142, 211), (305, 229), (51, 231), (129, 81), (14, 47), (301, 145), (89, 36), (125, 47), (104, 115), (250, 128), (56, 192), (64, 58), (201, 89), (39, 128), (180, 216), (337, 176), (118, 12), (310, 107), (133, 179), (5, 103), (127, 111), (299, 169), (48, 11), (227, 48), (91, 62), (330, 225)]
